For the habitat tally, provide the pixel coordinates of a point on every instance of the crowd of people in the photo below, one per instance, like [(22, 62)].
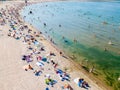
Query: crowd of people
[(35, 49)]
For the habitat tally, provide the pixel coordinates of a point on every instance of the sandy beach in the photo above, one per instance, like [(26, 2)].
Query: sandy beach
[(27, 59)]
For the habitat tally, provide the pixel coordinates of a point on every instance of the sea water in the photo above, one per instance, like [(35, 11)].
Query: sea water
[(88, 32)]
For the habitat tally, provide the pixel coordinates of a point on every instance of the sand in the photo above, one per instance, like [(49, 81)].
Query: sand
[(12, 74)]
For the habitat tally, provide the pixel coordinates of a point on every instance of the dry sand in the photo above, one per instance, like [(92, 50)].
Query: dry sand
[(14, 77)]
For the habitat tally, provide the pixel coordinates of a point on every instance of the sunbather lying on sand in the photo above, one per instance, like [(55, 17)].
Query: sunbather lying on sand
[(27, 67), (81, 83)]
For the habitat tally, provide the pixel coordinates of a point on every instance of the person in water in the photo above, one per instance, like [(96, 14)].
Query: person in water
[(45, 24), (59, 25), (30, 12), (75, 40)]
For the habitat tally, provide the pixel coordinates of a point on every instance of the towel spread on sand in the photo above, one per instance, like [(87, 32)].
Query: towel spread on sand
[(76, 80), (40, 64)]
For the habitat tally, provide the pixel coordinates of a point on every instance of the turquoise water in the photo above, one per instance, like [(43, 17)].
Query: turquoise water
[(92, 24)]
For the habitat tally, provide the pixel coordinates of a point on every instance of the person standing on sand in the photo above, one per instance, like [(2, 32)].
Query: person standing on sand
[(26, 2)]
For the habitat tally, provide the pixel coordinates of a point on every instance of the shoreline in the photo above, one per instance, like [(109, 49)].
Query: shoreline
[(78, 67), (67, 61)]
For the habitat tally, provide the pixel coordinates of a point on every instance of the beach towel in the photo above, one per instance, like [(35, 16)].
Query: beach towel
[(28, 59), (36, 43), (47, 81), (40, 64), (76, 80), (59, 72), (25, 67), (38, 73), (47, 75)]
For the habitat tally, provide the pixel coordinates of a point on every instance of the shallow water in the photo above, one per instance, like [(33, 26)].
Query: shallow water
[(82, 30)]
